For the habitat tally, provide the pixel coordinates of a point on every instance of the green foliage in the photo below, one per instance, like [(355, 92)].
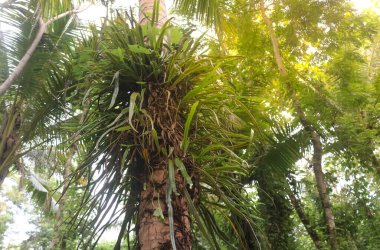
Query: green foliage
[(325, 48), (148, 96), (122, 75), (42, 237)]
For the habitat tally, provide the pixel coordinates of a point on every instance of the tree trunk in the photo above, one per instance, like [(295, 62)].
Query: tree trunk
[(322, 189), (155, 211), (153, 225), (314, 137)]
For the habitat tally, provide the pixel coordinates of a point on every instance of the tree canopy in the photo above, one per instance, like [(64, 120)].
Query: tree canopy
[(262, 133)]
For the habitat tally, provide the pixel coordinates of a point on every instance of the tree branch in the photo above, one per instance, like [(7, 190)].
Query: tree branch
[(25, 59)]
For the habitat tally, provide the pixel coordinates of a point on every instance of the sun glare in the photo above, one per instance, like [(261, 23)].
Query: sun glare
[(367, 4)]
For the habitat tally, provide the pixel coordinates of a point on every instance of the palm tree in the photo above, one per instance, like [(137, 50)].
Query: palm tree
[(154, 170), (34, 96), (160, 132), (160, 137)]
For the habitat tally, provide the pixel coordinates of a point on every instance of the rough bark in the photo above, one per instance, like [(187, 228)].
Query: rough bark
[(154, 232), (314, 137), (153, 227)]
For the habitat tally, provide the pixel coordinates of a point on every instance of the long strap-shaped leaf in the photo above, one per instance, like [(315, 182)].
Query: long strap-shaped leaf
[(185, 143), (184, 173), (199, 220), (170, 188)]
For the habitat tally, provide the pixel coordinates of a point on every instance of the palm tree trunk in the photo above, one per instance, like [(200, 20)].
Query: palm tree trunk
[(153, 219), (314, 137), (155, 212)]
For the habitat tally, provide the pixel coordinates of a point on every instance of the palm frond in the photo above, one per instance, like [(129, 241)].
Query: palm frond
[(207, 11)]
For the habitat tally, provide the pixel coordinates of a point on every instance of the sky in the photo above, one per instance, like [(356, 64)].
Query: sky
[(18, 229), (365, 4)]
